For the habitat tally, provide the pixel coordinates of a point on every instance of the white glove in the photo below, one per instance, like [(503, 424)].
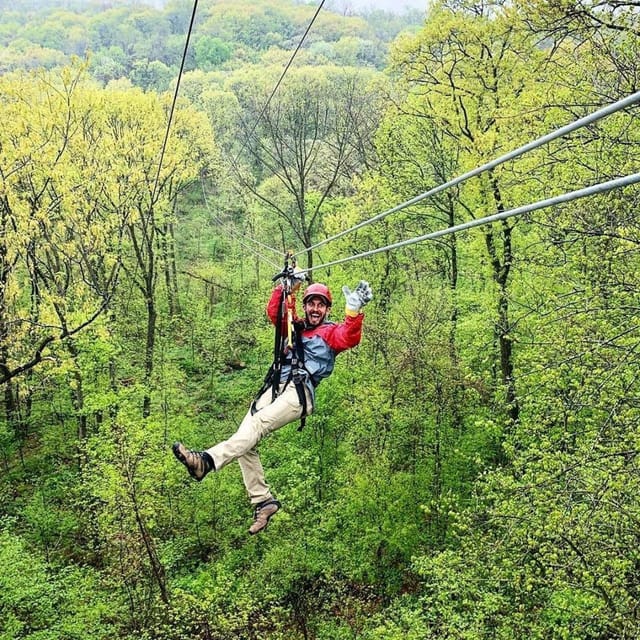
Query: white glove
[(357, 298), (297, 278)]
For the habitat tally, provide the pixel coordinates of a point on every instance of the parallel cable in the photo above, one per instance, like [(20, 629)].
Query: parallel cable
[(277, 85), (260, 244), (257, 253), (256, 242), (597, 115), (503, 215), (175, 99), (241, 239)]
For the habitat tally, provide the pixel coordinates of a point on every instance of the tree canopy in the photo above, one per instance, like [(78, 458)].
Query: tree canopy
[(470, 470)]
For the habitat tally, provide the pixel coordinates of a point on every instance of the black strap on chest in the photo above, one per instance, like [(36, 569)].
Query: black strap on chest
[(272, 379), (298, 374)]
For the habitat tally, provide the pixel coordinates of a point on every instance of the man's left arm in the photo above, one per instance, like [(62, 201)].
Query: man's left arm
[(347, 334)]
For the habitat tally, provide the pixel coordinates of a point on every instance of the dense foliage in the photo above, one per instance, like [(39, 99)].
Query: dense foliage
[(472, 468), (146, 44)]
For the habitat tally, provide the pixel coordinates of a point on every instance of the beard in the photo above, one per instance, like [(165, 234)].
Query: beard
[(315, 318)]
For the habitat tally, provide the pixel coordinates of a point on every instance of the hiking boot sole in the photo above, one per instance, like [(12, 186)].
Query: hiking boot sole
[(178, 454)]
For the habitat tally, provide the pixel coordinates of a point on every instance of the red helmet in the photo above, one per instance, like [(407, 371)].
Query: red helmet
[(320, 290)]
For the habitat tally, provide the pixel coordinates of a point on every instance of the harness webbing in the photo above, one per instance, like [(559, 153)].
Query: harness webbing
[(289, 342), (298, 373)]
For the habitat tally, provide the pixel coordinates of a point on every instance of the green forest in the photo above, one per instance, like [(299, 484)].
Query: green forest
[(471, 470)]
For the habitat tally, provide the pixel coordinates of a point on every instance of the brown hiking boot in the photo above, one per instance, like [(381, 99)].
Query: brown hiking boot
[(262, 515), (198, 463)]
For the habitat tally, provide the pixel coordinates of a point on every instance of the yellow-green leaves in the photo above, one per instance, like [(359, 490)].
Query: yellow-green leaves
[(78, 163)]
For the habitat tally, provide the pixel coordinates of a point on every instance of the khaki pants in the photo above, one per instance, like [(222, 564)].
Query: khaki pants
[(241, 446)]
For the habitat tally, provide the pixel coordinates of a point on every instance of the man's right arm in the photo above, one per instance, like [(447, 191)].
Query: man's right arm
[(273, 307)]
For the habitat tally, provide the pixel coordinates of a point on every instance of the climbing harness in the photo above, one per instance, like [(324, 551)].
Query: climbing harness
[(287, 348)]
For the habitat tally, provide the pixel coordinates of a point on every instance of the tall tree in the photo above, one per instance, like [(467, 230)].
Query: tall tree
[(60, 248), (309, 143), (147, 191), (465, 71)]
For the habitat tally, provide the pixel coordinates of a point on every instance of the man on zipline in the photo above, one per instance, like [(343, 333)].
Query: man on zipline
[(304, 363)]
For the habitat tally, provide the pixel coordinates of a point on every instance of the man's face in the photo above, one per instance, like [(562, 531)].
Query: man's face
[(315, 311)]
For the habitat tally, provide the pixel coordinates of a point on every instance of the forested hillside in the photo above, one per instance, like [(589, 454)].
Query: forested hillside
[(471, 469), (145, 43)]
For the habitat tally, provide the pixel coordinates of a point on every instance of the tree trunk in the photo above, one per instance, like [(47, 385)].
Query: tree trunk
[(169, 267), (454, 360), (501, 269), (156, 565), (144, 248), (77, 394), (173, 268), (148, 354)]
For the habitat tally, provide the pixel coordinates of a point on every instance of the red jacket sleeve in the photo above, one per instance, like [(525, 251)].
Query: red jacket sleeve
[(343, 335), (273, 307)]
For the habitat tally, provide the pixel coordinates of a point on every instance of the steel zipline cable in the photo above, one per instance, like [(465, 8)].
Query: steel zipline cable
[(573, 126), (280, 79), (174, 101), (602, 187), (255, 125), (241, 238), (168, 129), (259, 255)]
